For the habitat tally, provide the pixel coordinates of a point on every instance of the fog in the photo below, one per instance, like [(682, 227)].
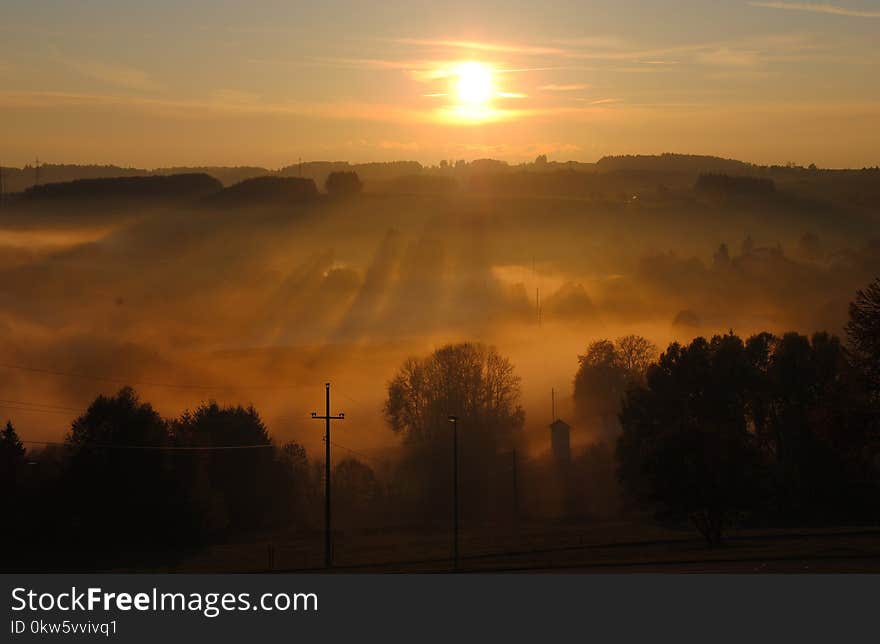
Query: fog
[(263, 305)]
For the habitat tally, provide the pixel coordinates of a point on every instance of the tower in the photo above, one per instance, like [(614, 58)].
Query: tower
[(560, 440)]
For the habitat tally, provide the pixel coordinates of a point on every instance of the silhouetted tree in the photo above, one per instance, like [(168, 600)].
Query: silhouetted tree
[(234, 480), (298, 493), (720, 421), (604, 374), (594, 481), (121, 486), (11, 450), (12, 459), (685, 448), (469, 380), (294, 456), (343, 184), (635, 354), (356, 491), (473, 382), (863, 331), (814, 426)]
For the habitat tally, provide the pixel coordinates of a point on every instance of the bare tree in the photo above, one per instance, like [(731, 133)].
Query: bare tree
[(605, 372), (469, 380), (634, 354)]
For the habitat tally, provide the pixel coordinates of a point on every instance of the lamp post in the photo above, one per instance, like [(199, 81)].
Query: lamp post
[(454, 421)]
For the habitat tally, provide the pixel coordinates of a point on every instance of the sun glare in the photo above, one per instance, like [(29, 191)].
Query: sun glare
[(472, 92), (473, 84)]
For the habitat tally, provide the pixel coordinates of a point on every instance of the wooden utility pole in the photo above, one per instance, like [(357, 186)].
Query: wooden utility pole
[(328, 534), (515, 493)]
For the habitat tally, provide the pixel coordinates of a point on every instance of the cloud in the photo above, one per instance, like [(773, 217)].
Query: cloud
[(728, 57), (363, 63), (220, 103), (406, 146), (234, 97), (572, 87), (742, 52), (114, 74), (475, 45), (811, 7)]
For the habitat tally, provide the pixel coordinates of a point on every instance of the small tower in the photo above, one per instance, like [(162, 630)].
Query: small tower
[(560, 442)]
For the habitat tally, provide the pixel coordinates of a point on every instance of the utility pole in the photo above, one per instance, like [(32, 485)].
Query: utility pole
[(454, 421), (328, 535), (515, 493)]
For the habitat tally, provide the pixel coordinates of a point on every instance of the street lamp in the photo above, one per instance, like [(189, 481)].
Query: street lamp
[(454, 421)]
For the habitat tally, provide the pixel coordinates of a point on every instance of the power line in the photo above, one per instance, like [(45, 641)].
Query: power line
[(33, 404), (190, 447), (22, 405), (48, 408), (35, 409), (356, 453)]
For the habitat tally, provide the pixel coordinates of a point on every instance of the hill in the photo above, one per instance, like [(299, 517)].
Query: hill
[(264, 191), (141, 188)]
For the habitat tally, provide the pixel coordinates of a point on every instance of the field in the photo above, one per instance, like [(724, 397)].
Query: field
[(567, 546)]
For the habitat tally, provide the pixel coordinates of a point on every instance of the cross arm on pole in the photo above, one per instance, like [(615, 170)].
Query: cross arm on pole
[(341, 416)]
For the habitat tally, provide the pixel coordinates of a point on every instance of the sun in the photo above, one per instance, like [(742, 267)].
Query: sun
[(473, 85)]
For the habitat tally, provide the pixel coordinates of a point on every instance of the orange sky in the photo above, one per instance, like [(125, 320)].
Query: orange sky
[(266, 83)]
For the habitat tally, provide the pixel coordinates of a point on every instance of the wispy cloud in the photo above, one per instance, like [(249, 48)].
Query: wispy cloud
[(406, 146), (831, 9), (369, 63), (474, 45), (114, 74), (571, 87), (220, 103), (724, 53), (730, 57)]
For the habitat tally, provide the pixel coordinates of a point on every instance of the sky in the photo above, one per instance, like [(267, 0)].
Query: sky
[(162, 83)]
